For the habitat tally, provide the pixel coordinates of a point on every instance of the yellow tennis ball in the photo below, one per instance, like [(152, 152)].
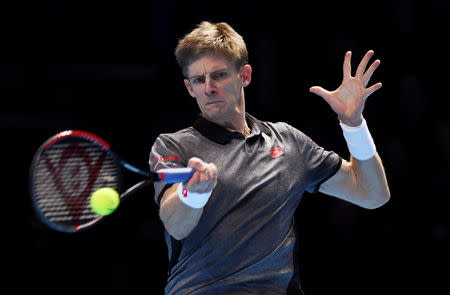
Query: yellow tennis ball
[(104, 201)]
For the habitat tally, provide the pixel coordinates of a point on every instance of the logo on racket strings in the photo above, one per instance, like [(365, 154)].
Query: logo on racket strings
[(66, 175)]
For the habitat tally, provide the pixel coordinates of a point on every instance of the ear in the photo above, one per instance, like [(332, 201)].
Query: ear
[(189, 87), (246, 73)]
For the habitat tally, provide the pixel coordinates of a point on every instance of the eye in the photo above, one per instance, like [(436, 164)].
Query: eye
[(198, 80), (219, 75)]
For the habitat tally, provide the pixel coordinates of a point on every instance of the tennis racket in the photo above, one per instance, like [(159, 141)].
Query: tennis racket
[(70, 166)]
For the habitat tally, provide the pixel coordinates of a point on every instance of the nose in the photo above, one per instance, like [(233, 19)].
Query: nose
[(210, 87)]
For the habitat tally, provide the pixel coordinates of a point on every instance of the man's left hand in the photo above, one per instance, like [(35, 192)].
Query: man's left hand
[(349, 98)]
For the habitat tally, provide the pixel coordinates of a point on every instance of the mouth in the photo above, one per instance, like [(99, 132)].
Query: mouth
[(214, 102)]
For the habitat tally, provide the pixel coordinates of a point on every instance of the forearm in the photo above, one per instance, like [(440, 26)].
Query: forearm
[(178, 219), (362, 183), (371, 187)]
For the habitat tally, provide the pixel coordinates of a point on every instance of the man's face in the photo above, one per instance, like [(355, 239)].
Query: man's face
[(218, 87)]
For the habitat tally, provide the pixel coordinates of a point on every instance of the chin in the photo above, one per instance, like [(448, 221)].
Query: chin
[(217, 117)]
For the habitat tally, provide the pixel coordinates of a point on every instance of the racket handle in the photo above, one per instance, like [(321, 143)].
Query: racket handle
[(174, 175)]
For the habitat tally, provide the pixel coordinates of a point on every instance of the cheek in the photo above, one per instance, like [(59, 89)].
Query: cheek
[(232, 88), (201, 102)]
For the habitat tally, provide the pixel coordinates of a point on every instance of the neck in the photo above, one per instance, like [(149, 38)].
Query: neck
[(238, 121), (234, 120)]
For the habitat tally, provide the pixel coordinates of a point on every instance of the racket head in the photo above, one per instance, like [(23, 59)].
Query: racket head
[(65, 171)]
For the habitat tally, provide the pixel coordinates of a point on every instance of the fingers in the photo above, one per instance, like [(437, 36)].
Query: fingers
[(366, 77), (363, 64), (319, 91), (372, 89), (347, 66), (205, 177), (209, 170), (196, 163), (361, 72), (325, 94)]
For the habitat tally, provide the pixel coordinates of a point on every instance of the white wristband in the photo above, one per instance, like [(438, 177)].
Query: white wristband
[(359, 141), (192, 199)]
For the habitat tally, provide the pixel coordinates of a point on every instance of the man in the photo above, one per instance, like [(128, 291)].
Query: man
[(230, 228)]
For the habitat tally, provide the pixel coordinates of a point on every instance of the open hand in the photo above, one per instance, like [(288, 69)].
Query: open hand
[(349, 98)]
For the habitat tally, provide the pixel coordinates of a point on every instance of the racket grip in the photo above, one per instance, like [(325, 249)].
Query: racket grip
[(174, 175)]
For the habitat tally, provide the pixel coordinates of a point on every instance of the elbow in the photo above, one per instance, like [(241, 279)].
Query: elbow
[(176, 227), (176, 232), (171, 227), (177, 235), (376, 200)]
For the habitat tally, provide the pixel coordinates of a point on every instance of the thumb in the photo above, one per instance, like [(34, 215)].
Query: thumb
[(325, 94), (196, 163), (319, 91)]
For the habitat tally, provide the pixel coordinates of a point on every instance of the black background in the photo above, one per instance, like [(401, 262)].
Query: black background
[(108, 67)]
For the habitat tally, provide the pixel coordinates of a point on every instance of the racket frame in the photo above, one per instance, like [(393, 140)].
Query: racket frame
[(151, 176)]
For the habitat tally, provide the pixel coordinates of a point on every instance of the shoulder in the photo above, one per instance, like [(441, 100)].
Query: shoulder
[(291, 136), (175, 141), (172, 148), (176, 137), (285, 129)]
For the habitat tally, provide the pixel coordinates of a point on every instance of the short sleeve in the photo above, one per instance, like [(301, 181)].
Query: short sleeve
[(164, 154), (319, 163)]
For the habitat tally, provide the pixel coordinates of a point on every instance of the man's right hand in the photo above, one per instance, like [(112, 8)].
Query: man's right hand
[(179, 219), (204, 179)]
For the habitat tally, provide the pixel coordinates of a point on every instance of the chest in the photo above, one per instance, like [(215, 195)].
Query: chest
[(260, 166)]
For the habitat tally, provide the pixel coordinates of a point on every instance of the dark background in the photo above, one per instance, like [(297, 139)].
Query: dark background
[(108, 67)]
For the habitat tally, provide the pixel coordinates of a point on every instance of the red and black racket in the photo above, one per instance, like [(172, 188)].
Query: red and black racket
[(73, 164)]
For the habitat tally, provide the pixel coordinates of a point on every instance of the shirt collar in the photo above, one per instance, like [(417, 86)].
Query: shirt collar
[(222, 135)]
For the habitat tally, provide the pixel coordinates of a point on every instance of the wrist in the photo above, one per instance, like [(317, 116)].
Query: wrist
[(359, 140), (192, 199), (352, 122)]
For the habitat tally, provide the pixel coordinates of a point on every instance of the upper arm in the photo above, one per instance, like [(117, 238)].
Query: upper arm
[(342, 184)]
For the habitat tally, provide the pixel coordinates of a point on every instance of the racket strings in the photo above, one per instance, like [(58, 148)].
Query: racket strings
[(67, 174)]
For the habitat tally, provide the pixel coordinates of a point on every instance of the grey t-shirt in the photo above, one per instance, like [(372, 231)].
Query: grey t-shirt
[(245, 240)]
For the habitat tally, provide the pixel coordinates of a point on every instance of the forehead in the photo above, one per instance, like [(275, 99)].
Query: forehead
[(209, 63)]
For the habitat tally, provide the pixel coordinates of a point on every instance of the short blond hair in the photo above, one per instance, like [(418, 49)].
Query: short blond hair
[(207, 38)]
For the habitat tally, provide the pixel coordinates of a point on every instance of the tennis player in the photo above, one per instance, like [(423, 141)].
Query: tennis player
[(230, 228)]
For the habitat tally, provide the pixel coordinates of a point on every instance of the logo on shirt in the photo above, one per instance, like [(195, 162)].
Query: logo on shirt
[(276, 152), (165, 159)]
